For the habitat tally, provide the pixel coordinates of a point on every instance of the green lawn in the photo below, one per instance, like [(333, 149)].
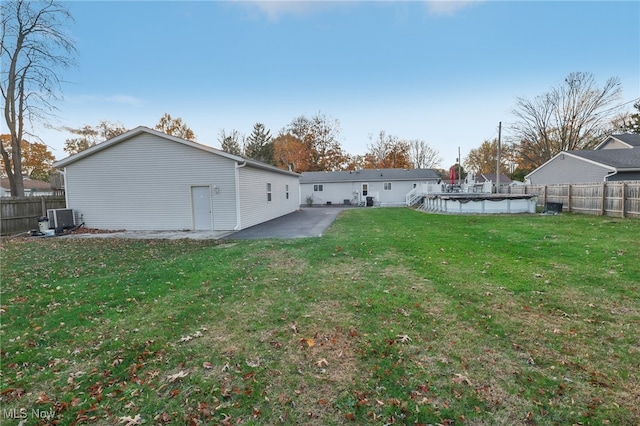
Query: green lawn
[(393, 316)]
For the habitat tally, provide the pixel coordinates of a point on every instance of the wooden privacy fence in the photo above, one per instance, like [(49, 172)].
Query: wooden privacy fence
[(620, 199), (20, 214)]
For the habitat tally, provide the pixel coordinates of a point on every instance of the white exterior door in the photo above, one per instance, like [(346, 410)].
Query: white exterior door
[(201, 206)]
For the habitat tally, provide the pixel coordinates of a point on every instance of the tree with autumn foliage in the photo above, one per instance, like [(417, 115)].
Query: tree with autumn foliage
[(289, 152), (175, 127), (36, 158), (87, 136), (388, 152), (319, 136)]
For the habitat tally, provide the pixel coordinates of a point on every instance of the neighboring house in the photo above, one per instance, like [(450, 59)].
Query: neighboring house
[(617, 158), (147, 180), (32, 187), (626, 140), (384, 187), (492, 177)]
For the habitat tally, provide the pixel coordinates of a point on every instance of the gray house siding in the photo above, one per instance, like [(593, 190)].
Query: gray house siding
[(565, 168), (141, 184), (612, 144), (255, 206)]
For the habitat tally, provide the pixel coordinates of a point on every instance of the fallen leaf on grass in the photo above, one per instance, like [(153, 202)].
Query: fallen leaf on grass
[(322, 363), (403, 338), (461, 379), (12, 393), (43, 399), (207, 365), (131, 421), (173, 377), (253, 364)]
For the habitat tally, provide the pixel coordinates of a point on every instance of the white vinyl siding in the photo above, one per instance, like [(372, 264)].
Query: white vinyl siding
[(143, 183), (338, 192), (254, 206)]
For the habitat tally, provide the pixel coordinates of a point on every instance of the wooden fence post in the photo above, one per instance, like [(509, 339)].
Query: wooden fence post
[(603, 208), (569, 198), (624, 199)]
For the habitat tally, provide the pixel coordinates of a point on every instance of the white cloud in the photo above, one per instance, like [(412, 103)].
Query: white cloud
[(448, 7), (275, 9)]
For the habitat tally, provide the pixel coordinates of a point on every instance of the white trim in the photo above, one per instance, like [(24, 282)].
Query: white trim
[(237, 167)]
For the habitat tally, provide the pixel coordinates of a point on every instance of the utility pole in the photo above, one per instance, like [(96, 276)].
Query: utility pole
[(498, 162)]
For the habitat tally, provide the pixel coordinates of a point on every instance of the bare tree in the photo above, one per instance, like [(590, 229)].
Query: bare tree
[(231, 143), (88, 136), (569, 117), (35, 49), (423, 156)]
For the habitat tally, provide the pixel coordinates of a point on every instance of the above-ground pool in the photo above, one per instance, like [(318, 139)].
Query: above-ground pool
[(479, 203)]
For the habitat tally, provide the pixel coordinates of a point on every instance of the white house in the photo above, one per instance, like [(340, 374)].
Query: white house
[(32, 187), (384, 187), (148, 180), (614, 159)]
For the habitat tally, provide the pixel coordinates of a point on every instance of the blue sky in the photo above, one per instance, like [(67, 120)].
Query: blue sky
[(443, 72)]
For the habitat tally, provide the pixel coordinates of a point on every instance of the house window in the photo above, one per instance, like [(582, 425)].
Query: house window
[(318, 188), (387, 186), (268, 191), (365, 189), (286, 191)]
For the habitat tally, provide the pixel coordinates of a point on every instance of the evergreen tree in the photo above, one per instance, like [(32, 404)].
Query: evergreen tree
[(259, 145)]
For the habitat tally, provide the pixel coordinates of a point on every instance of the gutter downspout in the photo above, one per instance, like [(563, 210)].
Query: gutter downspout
[(66, 193), (238, 216), (606, 178)]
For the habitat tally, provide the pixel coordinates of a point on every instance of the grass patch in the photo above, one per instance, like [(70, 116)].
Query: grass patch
[(392, 316)]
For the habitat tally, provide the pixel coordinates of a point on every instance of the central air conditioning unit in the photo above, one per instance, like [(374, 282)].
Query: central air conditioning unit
[(61, 218)]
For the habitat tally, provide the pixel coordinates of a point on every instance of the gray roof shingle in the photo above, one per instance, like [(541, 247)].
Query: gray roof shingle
[(620, 159), (629, 138), (369, 175)]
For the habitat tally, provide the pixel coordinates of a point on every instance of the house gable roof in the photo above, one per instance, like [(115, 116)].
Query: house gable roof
[(369, 175), (28, 184), (142, 129), (631, 140), (616, 160), (623, 159)]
